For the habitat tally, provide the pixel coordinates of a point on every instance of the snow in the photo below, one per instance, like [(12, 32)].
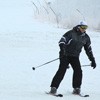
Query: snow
[(27, 43)]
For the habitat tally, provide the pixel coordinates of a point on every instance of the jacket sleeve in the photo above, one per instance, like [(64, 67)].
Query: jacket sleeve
[(88, 49), (65, 40)]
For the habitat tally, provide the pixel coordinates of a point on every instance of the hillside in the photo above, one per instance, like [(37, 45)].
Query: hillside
[(67, 13)]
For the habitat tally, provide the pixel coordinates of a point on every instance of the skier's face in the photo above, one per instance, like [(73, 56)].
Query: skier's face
[(83, 28)]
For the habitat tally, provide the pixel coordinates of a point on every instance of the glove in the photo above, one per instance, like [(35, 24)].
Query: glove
[(93, 63)]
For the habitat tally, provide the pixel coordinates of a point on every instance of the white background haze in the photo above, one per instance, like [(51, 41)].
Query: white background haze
[(26, 42)]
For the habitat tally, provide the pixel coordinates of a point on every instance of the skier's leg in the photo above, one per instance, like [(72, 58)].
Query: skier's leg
[(77, 74), (60, 73)]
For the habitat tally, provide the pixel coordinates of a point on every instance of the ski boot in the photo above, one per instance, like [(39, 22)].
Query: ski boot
[(76, 91), (53, 90)]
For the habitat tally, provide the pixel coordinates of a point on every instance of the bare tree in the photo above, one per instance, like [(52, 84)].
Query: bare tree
[(35, 7), (56, 16)]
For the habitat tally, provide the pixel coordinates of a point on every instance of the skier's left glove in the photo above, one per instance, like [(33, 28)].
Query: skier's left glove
[(93, 63)]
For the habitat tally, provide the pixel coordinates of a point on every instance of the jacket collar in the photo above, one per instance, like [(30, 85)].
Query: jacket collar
[(76, 28)]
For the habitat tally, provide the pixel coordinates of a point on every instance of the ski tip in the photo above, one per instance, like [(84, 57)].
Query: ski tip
[(60, 95), (86, 95)]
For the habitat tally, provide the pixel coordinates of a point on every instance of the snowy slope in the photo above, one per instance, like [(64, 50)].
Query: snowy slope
[(24, 43)]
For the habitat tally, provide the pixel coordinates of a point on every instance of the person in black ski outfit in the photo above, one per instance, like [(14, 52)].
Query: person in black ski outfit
[(71, 45)]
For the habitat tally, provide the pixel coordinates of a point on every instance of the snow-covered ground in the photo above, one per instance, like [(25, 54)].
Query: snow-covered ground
[(27, 43)]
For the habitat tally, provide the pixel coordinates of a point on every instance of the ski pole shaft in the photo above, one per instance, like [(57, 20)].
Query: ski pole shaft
[(85, 65), (81, 65), (45, 63), (52, 61)]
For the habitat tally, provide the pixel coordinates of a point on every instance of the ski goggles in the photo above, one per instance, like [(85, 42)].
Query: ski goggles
[(84, 27)]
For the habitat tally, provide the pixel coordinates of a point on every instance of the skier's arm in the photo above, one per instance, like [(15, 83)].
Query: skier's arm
[(65, 40), (89, 53)]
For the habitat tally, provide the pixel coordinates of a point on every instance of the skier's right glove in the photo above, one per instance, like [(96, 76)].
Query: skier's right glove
[(62, 50), (93, 63)]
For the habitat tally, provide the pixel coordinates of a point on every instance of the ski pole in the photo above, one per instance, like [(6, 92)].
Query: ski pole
[(52, 61), (85, 65), (45, 63)]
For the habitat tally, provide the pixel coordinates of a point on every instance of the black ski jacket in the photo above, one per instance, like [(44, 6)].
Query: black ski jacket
[(73, 42)]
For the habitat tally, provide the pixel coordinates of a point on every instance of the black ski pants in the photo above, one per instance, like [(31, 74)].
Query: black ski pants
[(77, 71)]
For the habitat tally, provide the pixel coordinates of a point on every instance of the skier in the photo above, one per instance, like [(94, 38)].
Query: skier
[(71, 44)]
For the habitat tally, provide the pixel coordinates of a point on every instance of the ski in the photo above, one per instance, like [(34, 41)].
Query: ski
[(61, 95), (56, 95), (82, 95)]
